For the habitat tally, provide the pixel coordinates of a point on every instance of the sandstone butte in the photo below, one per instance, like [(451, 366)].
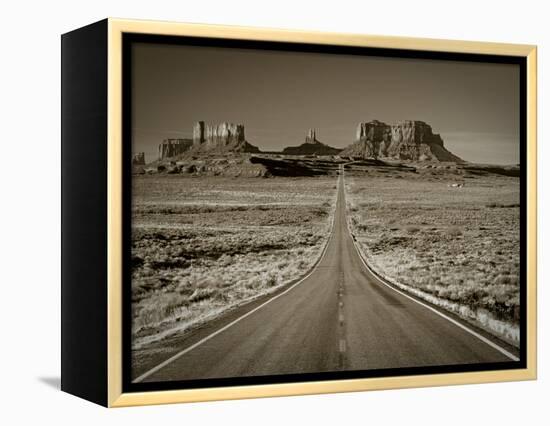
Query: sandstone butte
[(311, 146), (409, 140)]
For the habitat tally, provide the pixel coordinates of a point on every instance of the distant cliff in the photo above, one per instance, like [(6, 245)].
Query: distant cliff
[(406, 140), (138, 159), (311, 147), (173, 147), (221, 137), (218, 138)]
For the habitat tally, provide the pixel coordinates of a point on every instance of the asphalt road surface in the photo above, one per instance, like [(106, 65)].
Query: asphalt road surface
[(340, 317)]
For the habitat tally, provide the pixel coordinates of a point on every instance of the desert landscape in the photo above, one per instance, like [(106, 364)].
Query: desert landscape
[(218, 224), (447, 234), (204, 245)]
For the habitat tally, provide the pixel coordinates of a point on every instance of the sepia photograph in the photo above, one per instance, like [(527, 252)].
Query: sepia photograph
[(300, 213)]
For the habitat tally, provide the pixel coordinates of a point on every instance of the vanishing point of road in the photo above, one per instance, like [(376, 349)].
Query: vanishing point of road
[(339, 317)]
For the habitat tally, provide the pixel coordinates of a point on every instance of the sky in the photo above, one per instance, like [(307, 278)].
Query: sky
[(278, 96)]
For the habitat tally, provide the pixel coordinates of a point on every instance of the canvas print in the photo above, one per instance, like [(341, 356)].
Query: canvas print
[(300, 213)]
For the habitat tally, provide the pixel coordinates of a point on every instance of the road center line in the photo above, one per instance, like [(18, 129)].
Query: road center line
[(342, 346), (341, 324)]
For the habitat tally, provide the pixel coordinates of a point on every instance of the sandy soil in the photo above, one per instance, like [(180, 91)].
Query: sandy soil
[(204, 245), (458, 244)]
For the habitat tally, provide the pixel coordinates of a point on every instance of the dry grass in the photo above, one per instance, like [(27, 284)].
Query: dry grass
[(459, 245), (204, 245)]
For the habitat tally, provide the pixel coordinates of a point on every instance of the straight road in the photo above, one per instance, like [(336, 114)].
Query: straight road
[(340, 317)]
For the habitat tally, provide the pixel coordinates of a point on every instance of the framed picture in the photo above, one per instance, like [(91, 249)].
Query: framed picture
[(250, 212)]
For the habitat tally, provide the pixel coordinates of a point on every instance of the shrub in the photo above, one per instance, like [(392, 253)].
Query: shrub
[(201, 294), (454, 231)]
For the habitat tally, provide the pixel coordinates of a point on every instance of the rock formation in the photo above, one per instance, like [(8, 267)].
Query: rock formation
[(173, 147), (221, 137), (198, 133), (138, 159), (406, 140), (311, 136), (311, 147)]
